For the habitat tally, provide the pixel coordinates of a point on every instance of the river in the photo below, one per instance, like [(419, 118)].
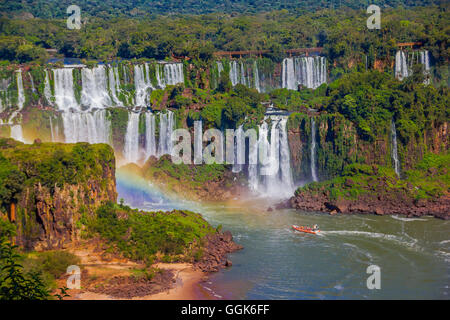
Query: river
[(277, 263)]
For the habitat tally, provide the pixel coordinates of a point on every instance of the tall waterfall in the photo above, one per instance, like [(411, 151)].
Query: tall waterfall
[(114, 85), (150, 143), (94, 93), (243, 73), (313, 150), (256, 76), (394, 151), (64, 92), (143, 84), (16, 133), (272, 174), (310, 72), (92, 127), (131, 147), (33, 89), (47, 90), (401, 67), (20, 92), (169, 74), (165, 133)]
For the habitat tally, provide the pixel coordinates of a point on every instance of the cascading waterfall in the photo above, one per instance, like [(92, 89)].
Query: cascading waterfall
[(401, 67), (114, 85), (150, 143), (92, 127), (310, 72), (165, 133), (256, 76), (404, 63), (272, 174), (313, 150), (234, 73), (169, 74), (16, 133), (143, 84), (131, 148), (240, 75), (33, 89), (47, 90), (394, 151), (94, 92), (20, 92), (64, 91)]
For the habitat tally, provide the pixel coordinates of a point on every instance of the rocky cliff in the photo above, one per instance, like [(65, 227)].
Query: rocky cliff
[(339, 144), (51, 187)]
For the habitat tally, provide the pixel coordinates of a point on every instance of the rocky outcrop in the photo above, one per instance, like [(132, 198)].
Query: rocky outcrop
[(215, 252), (62, 184), (378, 202)]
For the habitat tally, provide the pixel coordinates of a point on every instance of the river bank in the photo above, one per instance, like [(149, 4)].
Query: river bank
[(108, 276)]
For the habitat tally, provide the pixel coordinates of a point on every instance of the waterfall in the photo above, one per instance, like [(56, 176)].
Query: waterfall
[(131, 147), (165, 133), (64, 92), (401, 66), (404, 63), (394, 151), (92, 127), (33, 89), (16, 133), (114, 85), (143, 84), (234, 73), (271, 175), (47, 90), (288, 74), (309, 72), (150, 143), (20, 92), (94, 92), (198, 142), (169, 74), (256, 76), (313, 150)]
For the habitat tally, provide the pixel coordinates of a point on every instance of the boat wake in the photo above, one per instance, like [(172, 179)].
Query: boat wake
[(407, 219), (375, 235)]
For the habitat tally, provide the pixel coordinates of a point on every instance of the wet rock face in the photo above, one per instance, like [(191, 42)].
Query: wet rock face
[(58, 212), (47, 216), (215, 252)]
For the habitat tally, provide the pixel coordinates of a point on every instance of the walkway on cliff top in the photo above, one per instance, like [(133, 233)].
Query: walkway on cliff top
[(291, 52)]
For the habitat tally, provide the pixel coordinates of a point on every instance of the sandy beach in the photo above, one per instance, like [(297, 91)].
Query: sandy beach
[(183, 283)]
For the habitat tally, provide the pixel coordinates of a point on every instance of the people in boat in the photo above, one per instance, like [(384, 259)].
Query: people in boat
[(315, 227)]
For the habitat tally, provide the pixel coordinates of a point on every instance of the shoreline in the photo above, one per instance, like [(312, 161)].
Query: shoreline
[(111, 277), (186, 286)]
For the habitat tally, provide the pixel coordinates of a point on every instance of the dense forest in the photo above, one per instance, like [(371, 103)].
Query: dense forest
[(144, 8), (342, 33)]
